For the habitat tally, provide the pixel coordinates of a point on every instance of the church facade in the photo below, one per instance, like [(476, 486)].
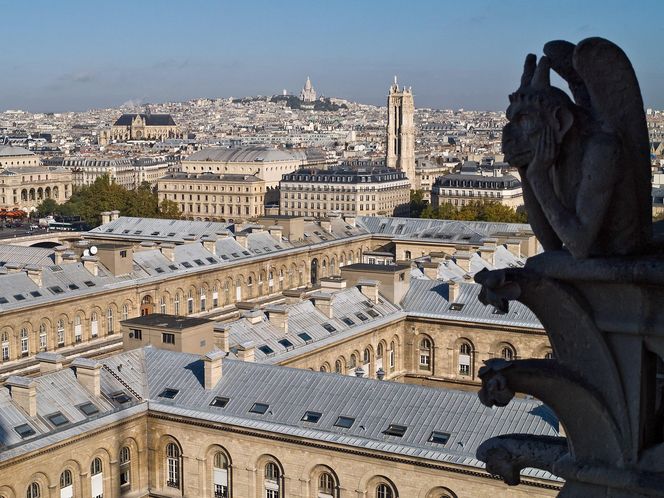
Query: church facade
[(141, 127)]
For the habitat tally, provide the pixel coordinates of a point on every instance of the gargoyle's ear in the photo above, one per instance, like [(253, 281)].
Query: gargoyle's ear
[(564, 119)]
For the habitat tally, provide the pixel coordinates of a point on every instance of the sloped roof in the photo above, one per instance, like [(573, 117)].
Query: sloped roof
[(241, 155), (150, 119)]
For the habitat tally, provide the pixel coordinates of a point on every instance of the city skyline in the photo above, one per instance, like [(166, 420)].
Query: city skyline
[(74, 57)]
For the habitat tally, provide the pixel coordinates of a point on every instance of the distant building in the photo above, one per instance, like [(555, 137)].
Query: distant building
[(141, 127), (308, 94), (401, 131), (211, 196), (25, 182), (349, 191), (475, 183)]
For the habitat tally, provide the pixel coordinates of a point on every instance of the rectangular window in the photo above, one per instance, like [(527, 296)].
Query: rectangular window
[(259, 408), (439, 437), (344, 422), (219, 402), (312, 417), (136, 334), (167, 338)]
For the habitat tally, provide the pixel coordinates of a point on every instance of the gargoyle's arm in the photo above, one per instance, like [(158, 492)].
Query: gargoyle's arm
[(540, 225), (578, 229)]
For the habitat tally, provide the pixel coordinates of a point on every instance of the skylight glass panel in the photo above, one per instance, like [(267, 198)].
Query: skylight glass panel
[(19, 297), (395, 430), (329, 327), (246, 253), (24, 430), (304, 336), (344, 422), (312, 417), (219, 402), (56, 289), (199, 262), (235, 255), (259, 408), (348, 321), (372, 314), (266, 349), (121, 397), (169, 393), (361, 316), (89, 283), (88, 409), (285, 343), (57, 419), (187, 264), (456, 306), (73, 286), (211, 260), (35, 293), (439, 437), (173, 267), (159, 269), (3, 300)]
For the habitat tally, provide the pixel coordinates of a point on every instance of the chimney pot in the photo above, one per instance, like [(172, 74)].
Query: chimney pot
[(24, 393), (213, 366), (49, 362), (88, 373)]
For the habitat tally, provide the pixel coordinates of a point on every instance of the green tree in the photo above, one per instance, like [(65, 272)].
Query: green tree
[(169, 210), (417, 203), (47, 206)]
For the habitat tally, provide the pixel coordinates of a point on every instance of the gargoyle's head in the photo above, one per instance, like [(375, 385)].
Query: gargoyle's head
[(535, 106)]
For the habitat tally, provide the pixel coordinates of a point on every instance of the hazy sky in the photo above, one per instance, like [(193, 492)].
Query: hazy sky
[(75, 55)]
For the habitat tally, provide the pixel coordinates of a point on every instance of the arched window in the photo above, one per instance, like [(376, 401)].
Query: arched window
[(43, 340), (379, 350), (325, 485), (323, 368), (172, 465), (110, 326), (78, 328), (65, 481), (507, 353), (190, 302), (464, 358), (125, 312), (548, 355), (425, 354), (220, 475), (384, 491), (353, 361), (215, 296), (408, 255), (393, 355), (367, 356), (34, 491), (338, 367), (125, 466), (5, 346), (176, 303), (94, 324), (162, 305), (96, 479), (272, 480), (203, 298), (60, 332), (25, 347)]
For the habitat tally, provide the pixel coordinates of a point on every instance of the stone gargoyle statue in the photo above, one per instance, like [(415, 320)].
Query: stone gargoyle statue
[(598, 287), (584, 165)]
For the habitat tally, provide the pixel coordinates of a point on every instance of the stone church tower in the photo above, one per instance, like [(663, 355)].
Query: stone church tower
[(401, 131)]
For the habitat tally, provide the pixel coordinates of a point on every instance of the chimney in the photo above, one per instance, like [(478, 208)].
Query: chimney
[(514, 246), (278, 316), (91, 263), (326, 225), (146, 245), (23, 392), (488, 254), (115, 215), (189, 238), (323, 303), (223, 333), (168, 250), (241, 238), (13, 267), (370, 289), (293, 296), (430, 270), (490, 242), (350, 220), (49, 362), (246, 352), (462, 259), (69, 257), (210, 244), (88, 373), (222, 234), (58, 252), (253, 316), (35, 274), (212, 366), (453, 291), (105, 217), (332, 284), (276, 232)]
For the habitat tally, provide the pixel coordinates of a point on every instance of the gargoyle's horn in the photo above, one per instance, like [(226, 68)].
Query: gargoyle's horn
[(528, 70), (541, 77)]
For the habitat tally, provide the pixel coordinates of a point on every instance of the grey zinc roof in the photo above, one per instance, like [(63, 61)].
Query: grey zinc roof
[(241, 155), (25, 255), (430, 299), (158, 229)]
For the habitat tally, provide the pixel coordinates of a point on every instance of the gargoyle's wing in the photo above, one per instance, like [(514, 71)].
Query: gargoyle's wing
[(616, 103), (560, 53)]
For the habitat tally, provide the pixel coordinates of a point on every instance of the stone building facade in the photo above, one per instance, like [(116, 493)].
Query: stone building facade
[(349, 191), (148, 126), (217, 197)]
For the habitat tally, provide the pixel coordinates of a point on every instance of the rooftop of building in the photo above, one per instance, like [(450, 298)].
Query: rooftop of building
[(345, 174), (209, 176), (173, 384), (150, 119), (10, 151), (249, 154), (162, 321)]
